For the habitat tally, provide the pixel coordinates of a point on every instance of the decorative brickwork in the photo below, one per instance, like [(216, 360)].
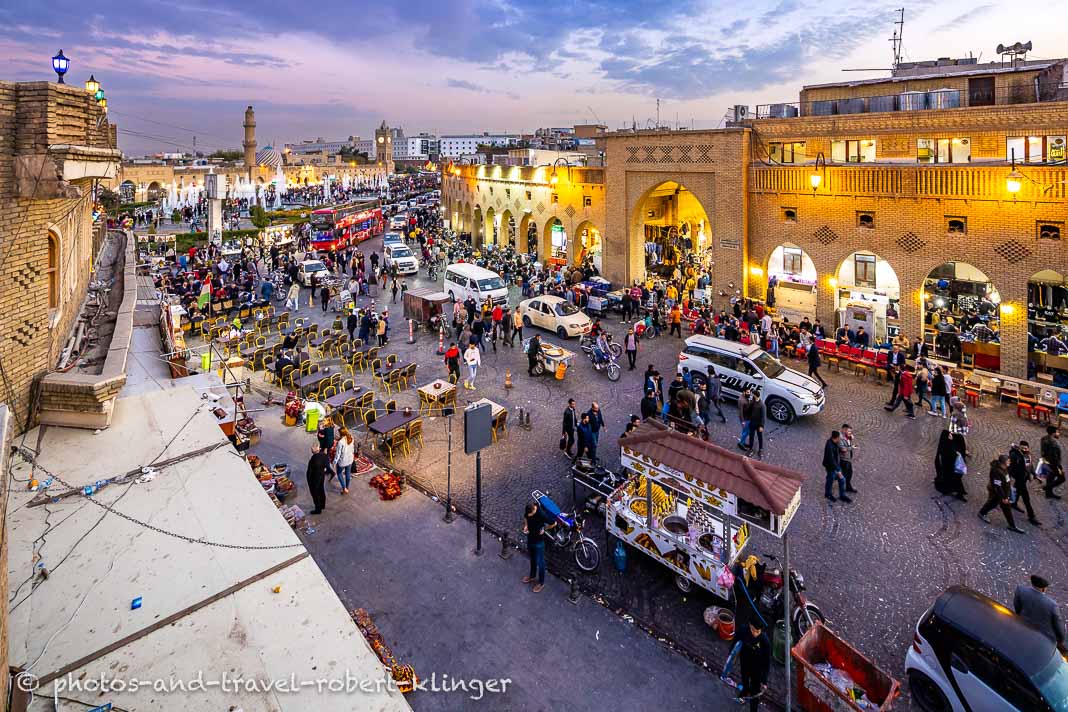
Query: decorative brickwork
[(825, 235), (911, 242), (1012, 251)]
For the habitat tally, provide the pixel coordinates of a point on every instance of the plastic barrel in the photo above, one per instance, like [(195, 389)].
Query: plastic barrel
[(725, 619), (205, 361), (312, 420), (561, 370), (778, 642)]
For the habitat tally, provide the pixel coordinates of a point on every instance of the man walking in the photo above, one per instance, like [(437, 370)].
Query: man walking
[(534, 523), (630, 346), (715, 393), (845, 456), (832, 464), (743, 417), (903, 393), (756, 424), (1051, 453), (754, 663), (1034, 605), (318, 467), (533, 352), (814, 365), (1021, 472), (596, 422), (517, 328), (999, 493), (570, 423)]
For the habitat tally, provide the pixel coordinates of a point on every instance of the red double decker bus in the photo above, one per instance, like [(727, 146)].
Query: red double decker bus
[(339, 226)]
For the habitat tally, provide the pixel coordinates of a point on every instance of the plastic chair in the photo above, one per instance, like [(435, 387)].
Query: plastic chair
[(397, 441), (500, 424), (391, 406), (415, 432)]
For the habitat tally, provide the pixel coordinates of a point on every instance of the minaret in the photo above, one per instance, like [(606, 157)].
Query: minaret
[(249, 143)]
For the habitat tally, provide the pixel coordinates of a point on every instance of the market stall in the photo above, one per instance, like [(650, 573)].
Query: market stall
[(690, 504), (552, 359)]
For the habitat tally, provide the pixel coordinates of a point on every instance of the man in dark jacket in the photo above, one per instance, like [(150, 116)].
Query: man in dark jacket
[(754, 662), (596, 422), (714, 394), (1051, 453), (649, 405), (999, 493), (756, 423), (352, 322), (318, 467), (1020, 471), (814, 365), (1033, 604), (533, 352), (832, 464), (570, 423)]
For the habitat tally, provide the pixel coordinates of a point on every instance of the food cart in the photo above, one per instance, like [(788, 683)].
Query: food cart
[(552, 359), (279, 235), (690, 504), (424, 304)]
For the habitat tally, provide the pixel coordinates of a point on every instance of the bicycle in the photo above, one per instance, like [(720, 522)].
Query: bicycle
[(567, 533)]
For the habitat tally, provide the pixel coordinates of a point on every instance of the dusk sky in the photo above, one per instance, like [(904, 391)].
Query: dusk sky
[(335, 68)]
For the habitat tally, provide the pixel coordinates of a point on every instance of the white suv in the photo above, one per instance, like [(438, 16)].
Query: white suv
[(403, 257), (787, 393)]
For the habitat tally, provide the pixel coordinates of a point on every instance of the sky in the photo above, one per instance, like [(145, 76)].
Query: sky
[(335, 68)]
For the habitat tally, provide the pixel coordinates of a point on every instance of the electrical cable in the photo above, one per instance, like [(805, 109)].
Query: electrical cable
[(172, 126)]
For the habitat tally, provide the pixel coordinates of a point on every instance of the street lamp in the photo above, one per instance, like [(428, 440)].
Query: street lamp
[(92, 86), (1013, 180), (99, 95), (60, 65), (821, 167)]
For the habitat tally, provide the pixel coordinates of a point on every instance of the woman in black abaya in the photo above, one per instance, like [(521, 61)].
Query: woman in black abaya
[(949, 477)]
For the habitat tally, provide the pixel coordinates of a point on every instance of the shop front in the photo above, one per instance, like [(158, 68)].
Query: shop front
[(1047, 328), (557, 243), (589, 247), (792, 283), (961, 316), (676, 228), (868, 294)]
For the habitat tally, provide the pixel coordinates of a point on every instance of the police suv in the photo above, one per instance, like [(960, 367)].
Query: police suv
[(787, 393)]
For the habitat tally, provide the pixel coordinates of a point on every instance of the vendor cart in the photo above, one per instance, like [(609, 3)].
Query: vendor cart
[(597, 483), (424, 304), (552, 359), (675, 505)]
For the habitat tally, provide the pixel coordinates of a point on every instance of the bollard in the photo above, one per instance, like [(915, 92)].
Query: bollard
[(506, 551), (507, 378), (411, 331), (574, 595)]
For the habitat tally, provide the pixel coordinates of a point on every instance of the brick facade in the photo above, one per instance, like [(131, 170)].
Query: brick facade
[(40, 122)]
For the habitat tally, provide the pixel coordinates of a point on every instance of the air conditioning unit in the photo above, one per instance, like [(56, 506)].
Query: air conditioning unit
[(741, 112)]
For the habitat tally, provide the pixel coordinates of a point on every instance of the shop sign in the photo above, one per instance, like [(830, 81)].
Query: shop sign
[(730, 243)]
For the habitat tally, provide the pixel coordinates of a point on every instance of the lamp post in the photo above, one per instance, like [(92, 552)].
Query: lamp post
[(92, 86), (1013, 181), (554, 179), (821, 169), (60, 65)]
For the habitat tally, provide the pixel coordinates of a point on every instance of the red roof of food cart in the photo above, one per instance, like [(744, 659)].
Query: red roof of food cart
[(768, 486)]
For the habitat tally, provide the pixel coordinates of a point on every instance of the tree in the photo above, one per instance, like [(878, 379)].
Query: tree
[(227, 155), (259, 217), (109, 199)]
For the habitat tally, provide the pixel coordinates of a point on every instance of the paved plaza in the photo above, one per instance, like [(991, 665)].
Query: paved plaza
[(872, 566)]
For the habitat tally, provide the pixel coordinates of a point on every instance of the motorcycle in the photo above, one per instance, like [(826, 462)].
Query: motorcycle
[(608, 363), (588, 340), (767, 592)]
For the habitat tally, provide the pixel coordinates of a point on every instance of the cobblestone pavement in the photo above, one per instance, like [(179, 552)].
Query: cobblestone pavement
[(872, 566)]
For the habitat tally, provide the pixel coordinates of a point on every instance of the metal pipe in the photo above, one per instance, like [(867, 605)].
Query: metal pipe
[(786, 612)]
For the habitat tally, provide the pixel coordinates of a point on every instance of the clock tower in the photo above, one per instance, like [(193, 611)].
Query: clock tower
[(384, 147)]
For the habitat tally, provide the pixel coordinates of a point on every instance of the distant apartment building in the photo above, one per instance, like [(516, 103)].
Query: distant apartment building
[(319, 145), (456, 146)]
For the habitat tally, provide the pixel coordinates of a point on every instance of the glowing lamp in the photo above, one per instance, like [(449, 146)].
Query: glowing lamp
[(815, 179), (60, 65), (92, 86), (1007, 310), (554, 179), (1012, 181), (756, 271), (833, 282)]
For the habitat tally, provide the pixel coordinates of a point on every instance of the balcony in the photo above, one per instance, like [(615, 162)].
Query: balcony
[(915, 101)]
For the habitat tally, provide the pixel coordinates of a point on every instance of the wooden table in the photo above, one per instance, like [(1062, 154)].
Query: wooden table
[(393, 421), (436, 391), (312, 382), (495, 408), (337, 401), (385, 370)]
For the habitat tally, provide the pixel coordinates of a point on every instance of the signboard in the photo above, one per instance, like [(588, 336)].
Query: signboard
[(478, 427), (215, 186), (729, 243)]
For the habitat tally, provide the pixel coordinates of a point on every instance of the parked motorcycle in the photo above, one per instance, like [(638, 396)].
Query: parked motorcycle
[(607, 364), (587, 340), (767, 592)]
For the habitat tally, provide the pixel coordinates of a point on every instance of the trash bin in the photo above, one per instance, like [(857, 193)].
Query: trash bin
[(311, 420), (561, 370), (832, 675), (205, 361)]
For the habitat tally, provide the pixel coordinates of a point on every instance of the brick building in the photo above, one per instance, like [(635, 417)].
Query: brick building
[(55, 146), (940, 186)]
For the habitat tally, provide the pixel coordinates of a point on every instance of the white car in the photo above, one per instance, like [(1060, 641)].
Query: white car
[(555, 314), (398, 222), (969, 652), (787, 393), (402, 257), (307, 269), (392, 238)]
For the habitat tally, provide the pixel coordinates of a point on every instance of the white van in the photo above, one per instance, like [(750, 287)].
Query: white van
[(467, 280), (787, 393)]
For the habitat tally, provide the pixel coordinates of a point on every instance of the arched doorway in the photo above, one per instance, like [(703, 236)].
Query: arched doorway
[(959, 299), (527, 238), (155, 191), (491, 229), (1047, 326), (675, 227), (477, 227), (792, 283), (508, 229), (127, 191), (588, 245), (553, 247), (867, 292)]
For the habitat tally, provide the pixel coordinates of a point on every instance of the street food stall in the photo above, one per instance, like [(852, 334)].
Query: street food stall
[(552, 359), (424, 304), (279, 235), (690, 504)]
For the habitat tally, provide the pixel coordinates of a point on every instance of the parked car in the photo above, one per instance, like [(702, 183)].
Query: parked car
[(555, 314), (969, 652), (402, 256), (307, 269), (787, 393)]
